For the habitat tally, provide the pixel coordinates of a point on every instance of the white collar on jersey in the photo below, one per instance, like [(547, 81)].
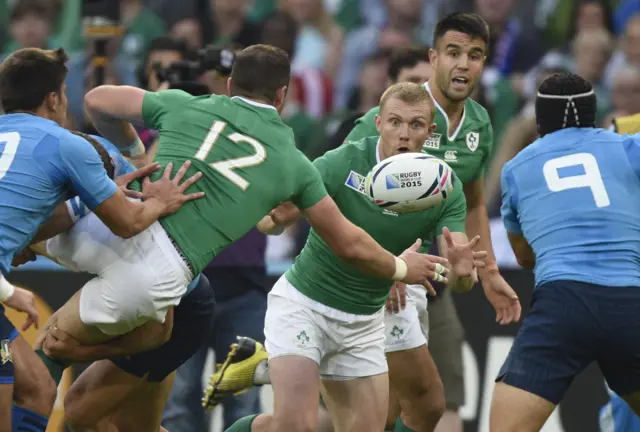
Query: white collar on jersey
[(446, 117), (378, 151), (254, 103)]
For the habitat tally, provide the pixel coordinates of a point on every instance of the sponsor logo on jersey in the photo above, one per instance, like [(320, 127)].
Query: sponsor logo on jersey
[(356, 182), (473, 140), (433, 142), (5, 351), (404, 180), (451, 155)]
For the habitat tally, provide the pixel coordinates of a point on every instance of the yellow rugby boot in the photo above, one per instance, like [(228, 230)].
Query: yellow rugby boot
[(235, 375)]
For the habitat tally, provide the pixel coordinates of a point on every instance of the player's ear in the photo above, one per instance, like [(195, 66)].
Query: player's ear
[(281, 97), (52, 101), (432, 128), (378, 121), (433, 58)]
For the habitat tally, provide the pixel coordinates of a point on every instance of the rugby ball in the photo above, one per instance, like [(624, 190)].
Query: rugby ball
[(409, 182)]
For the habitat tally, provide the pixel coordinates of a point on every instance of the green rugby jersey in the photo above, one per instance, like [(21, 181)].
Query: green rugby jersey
[(323, 277), (249, 161)]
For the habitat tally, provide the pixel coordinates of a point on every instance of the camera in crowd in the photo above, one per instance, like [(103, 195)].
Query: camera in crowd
[(185, 74)]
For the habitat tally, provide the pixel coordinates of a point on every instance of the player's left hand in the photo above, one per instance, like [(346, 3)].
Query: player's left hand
[(59, 345), (502, 297), (463, 259)]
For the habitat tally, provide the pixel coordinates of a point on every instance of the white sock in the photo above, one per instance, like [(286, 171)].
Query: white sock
[(261, 375)]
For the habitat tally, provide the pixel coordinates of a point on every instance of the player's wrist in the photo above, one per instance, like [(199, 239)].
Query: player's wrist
[(6, 290), (135, 149), (401, 269), (490, 270)]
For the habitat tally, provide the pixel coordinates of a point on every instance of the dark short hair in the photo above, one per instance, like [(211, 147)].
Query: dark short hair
[(470, 24), (565, 100), (259, 71), (28, 75), (104, 154), (406, 58), (24, 8)]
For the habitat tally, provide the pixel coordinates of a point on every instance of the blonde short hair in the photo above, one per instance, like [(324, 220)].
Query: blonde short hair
[(409, 93)]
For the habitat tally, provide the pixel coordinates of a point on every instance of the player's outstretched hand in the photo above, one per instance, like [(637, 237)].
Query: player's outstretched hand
[(124, 180), (23, 300), (169, 190), (397, 299), (503, 299), (422, 267), (464, 260)]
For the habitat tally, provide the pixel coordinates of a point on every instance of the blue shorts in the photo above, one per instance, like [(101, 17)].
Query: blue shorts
[(7, 334), (192, 320), (570, 325)]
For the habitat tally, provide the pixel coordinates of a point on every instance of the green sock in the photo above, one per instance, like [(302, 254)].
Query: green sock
[(401, 427), (243, 425), (55, 367)]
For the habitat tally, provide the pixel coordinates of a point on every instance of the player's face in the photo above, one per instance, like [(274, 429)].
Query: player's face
[(419, 74), (403, 127), (458, 62)]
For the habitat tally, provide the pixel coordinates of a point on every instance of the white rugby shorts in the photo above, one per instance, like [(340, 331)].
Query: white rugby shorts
[(137, 279), (345, 346), (409, 328)]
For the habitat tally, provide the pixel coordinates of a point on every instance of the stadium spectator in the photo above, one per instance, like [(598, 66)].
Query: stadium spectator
[(226, 22), (629, 51), (141, 25), (190, 31), (30, 26)]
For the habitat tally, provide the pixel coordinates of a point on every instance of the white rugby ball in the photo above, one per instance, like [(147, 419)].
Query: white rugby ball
[(409, 182)]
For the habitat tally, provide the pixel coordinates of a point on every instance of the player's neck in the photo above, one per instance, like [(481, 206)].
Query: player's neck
[(40, 112), (453, 109)]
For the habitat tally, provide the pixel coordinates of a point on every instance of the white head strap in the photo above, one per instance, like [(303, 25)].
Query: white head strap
[(570, 104)]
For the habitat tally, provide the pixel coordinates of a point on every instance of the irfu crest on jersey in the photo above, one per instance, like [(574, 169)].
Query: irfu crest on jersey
[(433, 142), (473, 140)]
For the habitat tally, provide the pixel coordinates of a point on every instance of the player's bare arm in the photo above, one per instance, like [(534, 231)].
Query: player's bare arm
[(112, 109), (151, 335), (464, 261), (354, 245), (501, 296), (59, 222), (279, 219), (522, 250), (127, 218)]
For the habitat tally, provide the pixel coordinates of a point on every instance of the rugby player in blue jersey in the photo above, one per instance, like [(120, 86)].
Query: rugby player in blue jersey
[(570, 206), (41, 165)]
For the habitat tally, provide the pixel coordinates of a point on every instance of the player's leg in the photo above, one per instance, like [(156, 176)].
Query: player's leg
[(556, 342), (446, 336), (7, 378), (6, 400), (416, 385)]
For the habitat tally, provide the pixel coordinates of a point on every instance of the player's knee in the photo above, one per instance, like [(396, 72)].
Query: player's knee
[(37, 394), (426, 402), (74, 416)]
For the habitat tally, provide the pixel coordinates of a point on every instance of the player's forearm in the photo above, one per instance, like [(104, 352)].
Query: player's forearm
[(362, 251), (138, 218), (477, 223), (150, 336), (60, 221)]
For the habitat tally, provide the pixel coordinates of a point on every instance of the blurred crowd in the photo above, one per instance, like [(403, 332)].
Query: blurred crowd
[(340, 51)]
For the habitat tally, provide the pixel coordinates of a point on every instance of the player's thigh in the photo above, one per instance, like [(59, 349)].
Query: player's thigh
[(446, 336), (6, 403), (557, 340), (417, 384), (98, 392), (33, 388), (618, 352), (296, 386), (142, 411), (516, 409), (68, 320), (357, 405)]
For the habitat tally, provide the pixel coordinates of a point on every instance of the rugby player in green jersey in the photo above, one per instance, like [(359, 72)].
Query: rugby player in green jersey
[(463, 138), (325, 319), (249, 165)]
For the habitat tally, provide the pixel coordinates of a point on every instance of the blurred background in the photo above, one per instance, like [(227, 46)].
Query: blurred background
[(339, 51)]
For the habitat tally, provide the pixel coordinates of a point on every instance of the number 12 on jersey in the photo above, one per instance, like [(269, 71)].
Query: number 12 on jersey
[(591, 178), (226, 167)]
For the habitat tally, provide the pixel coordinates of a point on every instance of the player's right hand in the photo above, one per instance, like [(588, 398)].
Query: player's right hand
[(124, 180), (169, 190), (397, 299), (23, 300), (422, 267)]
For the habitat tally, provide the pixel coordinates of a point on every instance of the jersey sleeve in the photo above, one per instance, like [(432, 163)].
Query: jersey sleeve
[(85, 171), (509, 209), (156, 105), (364, 127), (454, 212), (311, 187)]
